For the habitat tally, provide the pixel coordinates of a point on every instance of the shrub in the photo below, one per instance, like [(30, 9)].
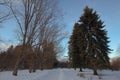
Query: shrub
[(115, 63)]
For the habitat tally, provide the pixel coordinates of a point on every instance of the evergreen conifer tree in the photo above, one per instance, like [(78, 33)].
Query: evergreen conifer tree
[(88, 45), (73, 47), (76, 46), (97, 48)]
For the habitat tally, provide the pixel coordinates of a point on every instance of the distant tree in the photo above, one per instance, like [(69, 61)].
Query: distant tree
[(115, 63), (10, 49), (7, 59), (49, 45), (2, 59)]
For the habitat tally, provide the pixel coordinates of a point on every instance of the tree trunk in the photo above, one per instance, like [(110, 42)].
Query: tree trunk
[(30, 69), (95, 72), (20, 57), (74, 67), (41, 64), (80, 69), (80, 65), (34, 68), (15, 70), (35, 64)]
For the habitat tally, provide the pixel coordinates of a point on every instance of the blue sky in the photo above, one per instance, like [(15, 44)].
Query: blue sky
[(109, 11)]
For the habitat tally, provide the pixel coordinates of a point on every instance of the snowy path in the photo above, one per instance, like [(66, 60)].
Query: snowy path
[(60, 74), (51, 75)]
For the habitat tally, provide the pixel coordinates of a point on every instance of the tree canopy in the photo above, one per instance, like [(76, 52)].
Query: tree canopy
[(89, 42)]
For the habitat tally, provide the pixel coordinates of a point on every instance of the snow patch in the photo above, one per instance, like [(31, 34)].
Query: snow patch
[(61, 74)]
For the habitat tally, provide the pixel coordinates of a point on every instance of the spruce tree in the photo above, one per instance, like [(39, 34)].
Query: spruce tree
[(76, 46), (73, 47), (97, 48), (88, 45)]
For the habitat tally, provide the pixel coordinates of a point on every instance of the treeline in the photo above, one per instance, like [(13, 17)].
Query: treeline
[(115, 63), (32, 59)]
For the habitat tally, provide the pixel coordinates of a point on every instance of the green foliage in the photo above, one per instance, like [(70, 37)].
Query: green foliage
[(89, 42)]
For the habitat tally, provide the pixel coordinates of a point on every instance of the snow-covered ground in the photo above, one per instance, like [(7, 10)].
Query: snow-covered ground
[(61, 74)]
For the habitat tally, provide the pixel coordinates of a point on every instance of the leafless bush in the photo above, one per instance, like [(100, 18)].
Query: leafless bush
[(115, 63)]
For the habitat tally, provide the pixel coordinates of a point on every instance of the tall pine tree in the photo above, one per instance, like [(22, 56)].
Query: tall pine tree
[(97, 41), (89, 42), (73, 47), (76, 47)]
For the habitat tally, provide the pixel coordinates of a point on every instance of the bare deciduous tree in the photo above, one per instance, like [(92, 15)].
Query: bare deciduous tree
[(36, 22), (49, 45)]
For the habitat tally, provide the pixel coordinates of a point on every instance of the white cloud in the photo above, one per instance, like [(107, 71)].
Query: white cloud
[(4, 46)]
